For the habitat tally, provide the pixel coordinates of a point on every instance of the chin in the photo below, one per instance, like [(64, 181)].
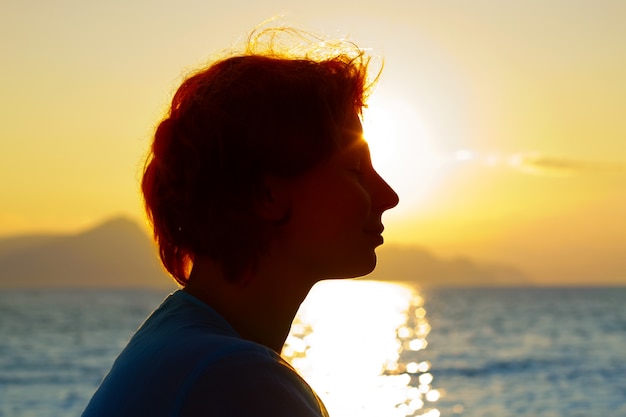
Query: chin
[(358, 269)]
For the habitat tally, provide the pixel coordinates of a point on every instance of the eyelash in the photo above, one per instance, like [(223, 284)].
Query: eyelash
[(358, 171)]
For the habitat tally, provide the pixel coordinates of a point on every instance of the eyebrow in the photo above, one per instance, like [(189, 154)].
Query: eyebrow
[(359, 145)]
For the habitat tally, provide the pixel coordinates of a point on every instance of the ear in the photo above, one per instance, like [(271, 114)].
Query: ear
[(273, 201)]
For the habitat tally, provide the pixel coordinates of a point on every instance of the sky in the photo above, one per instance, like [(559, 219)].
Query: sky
[(501, 124)]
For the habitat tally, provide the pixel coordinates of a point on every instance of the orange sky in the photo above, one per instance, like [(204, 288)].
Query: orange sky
[(501, 124)]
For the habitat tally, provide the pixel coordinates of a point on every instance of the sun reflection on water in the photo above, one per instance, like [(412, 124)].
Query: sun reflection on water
[(358, 344)]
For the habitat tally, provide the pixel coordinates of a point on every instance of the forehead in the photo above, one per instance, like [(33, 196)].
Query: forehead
[(353, 122), (352, 133)]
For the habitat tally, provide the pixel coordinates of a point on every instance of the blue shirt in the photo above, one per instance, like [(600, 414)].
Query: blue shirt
[(186, 360)]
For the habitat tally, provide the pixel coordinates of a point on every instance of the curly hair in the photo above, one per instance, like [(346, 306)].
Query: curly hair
[(231, 124)]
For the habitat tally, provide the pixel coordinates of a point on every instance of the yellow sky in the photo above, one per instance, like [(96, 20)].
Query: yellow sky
[(501, 124)]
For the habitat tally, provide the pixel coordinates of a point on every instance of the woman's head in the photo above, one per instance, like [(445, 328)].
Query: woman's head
[(231, 125)]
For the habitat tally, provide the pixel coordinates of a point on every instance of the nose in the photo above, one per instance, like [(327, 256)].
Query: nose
[(383, 196)]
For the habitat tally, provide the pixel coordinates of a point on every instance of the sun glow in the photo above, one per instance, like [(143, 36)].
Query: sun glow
[(401, 148)]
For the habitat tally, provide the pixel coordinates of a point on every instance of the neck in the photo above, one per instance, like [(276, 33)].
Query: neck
[(260, 307)]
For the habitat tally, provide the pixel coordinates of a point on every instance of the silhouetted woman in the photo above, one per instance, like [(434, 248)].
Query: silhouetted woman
[(258, 185)]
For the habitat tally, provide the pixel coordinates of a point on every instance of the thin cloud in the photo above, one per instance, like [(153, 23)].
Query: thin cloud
[(538, 164), (557, 166)]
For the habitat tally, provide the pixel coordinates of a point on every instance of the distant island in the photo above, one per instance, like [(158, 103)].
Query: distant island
[(397, 263), (118, 253)]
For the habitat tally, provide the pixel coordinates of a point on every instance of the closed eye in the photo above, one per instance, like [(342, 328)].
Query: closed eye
[(358, 160), (357, 171), (362, 171)]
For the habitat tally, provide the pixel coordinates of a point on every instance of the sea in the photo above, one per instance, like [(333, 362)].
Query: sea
[(368, 348)]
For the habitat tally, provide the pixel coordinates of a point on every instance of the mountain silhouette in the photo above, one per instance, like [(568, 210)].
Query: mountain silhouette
[(118, 253), (418, 265)]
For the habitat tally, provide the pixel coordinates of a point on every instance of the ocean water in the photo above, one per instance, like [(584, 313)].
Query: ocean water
[(367, 348), (530, 352)]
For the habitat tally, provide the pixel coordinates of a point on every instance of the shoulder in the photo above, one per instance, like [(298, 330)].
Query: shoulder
[(270, 386)]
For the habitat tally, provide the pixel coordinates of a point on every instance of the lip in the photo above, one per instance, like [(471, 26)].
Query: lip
[(377, 230), (376, 234), (379, 239)]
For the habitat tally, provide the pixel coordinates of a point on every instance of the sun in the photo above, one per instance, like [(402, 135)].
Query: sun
[(402, 151)]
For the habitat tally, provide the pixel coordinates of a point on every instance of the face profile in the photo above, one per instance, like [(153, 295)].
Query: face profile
[(336, 219), (258, 185)]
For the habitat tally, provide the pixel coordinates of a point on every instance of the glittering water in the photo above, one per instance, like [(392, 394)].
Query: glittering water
[(353, 342), (368, 348), (529, 352)]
